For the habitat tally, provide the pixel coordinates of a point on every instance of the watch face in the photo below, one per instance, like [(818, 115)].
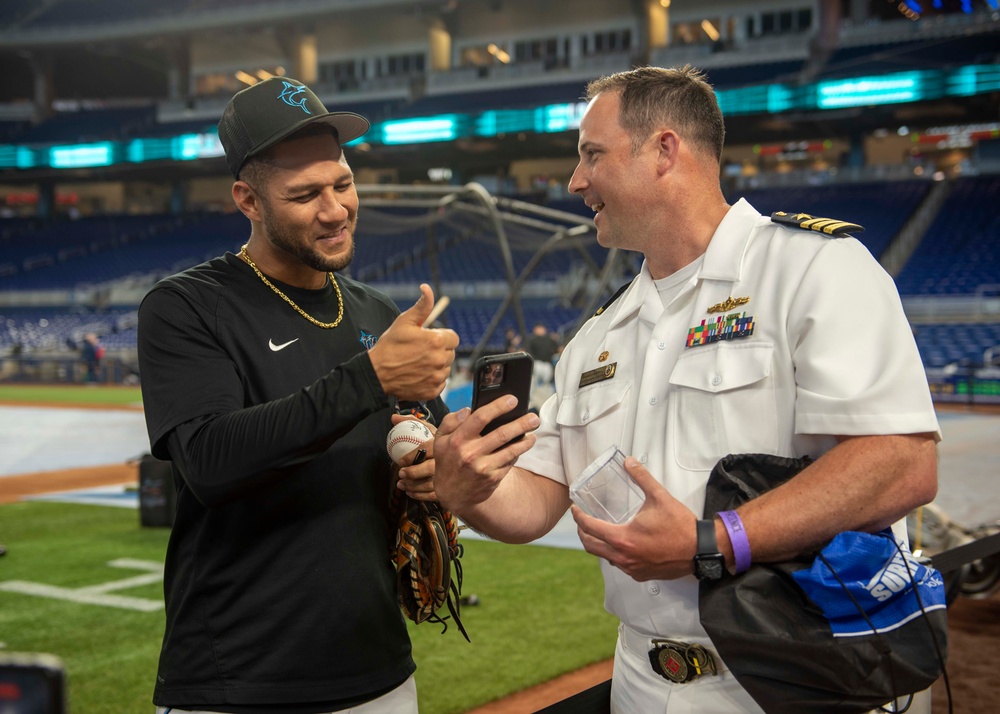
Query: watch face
[(709, 566)]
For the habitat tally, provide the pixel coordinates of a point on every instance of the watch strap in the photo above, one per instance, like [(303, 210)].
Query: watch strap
[(708, 561)]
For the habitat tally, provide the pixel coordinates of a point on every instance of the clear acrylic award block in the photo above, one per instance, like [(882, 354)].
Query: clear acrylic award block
[(605, 490)]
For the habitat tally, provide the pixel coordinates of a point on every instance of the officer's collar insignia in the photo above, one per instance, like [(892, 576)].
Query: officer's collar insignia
[(734, 326), (597, 375), (368, 340), (828, 226), (729, 303), (614, 297)]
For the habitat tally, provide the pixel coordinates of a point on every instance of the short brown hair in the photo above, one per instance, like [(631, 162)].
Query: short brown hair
[(680, 97), (257, 172)]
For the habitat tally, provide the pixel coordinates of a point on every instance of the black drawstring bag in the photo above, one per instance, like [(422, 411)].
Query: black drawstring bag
[(781, 646)]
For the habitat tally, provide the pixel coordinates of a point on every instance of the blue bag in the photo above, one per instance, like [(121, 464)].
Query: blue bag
[(800, 640), (865, 581)]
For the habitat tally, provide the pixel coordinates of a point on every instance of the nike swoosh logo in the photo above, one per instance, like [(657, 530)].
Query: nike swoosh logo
[(278, 348)]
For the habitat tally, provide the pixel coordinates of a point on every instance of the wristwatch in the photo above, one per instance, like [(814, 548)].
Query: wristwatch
[(708, 561)]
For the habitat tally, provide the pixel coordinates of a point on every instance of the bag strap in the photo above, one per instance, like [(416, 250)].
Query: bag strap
[(881, 645)]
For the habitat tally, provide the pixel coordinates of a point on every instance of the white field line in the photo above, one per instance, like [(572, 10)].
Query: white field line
[(98, 594)]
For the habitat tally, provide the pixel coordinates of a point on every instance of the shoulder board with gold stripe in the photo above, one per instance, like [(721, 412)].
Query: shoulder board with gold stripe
[(614, 297), (828, 226)]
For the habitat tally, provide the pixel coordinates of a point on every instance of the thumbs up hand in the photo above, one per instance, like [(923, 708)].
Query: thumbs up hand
[(421, 308), (411, 361)]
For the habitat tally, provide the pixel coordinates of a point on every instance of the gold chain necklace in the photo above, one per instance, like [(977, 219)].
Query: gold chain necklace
[(313, 320)]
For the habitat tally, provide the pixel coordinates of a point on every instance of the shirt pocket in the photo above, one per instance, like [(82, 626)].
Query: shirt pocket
[(589, 422), (722, 402)]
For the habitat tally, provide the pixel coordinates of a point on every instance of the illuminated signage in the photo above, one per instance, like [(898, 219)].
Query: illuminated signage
[(196, 146), (418, 131), (81, 155), (891, 88), (562, 117)]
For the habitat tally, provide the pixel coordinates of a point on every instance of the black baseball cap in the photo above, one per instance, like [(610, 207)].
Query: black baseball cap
[(263, 114)]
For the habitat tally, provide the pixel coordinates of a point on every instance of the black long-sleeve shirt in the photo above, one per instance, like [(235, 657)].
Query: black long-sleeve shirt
[(278, 586)]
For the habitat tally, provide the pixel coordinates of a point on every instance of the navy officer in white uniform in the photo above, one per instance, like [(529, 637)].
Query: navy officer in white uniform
[(741, 334)]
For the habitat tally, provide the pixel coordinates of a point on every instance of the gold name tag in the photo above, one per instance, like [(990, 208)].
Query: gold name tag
[(598, 375)]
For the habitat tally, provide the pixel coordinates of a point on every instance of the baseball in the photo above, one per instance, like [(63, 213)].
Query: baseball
[(405, 437)]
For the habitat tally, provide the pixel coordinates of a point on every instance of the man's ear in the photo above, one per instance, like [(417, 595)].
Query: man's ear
[(668, 144), (246, 200)]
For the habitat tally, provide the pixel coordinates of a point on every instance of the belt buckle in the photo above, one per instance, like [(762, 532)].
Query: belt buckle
[(681, 662)]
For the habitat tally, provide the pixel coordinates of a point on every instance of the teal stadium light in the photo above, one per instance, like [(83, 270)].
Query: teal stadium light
[(419, 131), (185, 147), (562, 117), (973, 79), (189, 147), (20, 157), (894, 88), (761, 99), (79, 156)]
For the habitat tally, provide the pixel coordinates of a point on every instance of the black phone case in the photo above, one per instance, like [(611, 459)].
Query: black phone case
[(516, 380)]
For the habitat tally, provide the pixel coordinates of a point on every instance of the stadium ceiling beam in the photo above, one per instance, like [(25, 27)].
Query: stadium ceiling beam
[(474, 198)]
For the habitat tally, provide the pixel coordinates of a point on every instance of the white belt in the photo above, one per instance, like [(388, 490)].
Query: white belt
[(641, 643)]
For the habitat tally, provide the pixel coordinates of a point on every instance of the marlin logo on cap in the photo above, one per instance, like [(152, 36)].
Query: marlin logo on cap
[(294, 95)]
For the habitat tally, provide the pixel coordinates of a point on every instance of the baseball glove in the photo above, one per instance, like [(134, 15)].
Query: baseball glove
[(426, 552)]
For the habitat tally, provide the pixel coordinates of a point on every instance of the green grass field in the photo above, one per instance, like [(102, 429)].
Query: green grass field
[(69, 394), (540, 612)]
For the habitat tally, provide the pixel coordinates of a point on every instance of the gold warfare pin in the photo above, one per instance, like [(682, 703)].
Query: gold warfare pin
[(729, 303)]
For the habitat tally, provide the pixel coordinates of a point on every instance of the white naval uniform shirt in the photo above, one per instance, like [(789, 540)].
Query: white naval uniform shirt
[(830, 353)]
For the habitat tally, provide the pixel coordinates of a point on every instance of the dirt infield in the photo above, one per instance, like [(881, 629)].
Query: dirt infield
[(13, 488), (548, 693), (973, 658)]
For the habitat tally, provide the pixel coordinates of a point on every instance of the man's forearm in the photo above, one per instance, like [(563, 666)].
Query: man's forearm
[(862, 484), (523, 508)]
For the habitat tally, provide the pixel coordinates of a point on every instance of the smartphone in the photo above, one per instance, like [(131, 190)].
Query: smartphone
[(499, 375)]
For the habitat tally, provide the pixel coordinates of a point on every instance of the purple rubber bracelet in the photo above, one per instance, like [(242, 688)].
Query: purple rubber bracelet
[(738, 537)]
